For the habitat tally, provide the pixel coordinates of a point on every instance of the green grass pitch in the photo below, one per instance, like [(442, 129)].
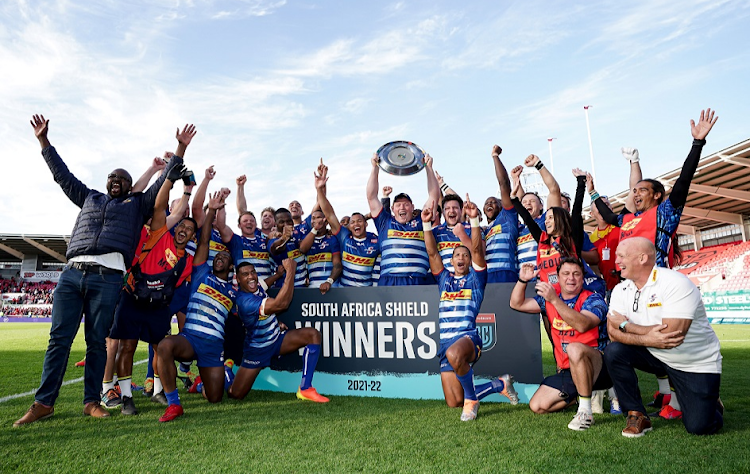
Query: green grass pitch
[(274, 432)]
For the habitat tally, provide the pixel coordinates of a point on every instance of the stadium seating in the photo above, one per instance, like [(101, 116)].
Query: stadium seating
[(25, 298)]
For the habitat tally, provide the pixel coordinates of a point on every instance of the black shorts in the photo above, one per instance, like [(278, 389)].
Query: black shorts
[(563, 381), (134, 322)]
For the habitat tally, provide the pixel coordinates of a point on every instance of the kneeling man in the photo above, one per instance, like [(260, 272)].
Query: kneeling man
[(658, 324), (578, 326), (264, 339)]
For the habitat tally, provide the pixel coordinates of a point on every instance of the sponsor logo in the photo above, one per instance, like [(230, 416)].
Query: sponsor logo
[(255, 255), (498, 229), (464, 294), (628, 226), (487, 330), (560, 325), (318, 258), (216, 246), (448, 245), (215, 295), (170, 257), (525, 239), (399, 234), (294, 254), (654, 305), (362, 261)]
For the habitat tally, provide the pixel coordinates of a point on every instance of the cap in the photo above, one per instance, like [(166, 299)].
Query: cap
[(402, 196)]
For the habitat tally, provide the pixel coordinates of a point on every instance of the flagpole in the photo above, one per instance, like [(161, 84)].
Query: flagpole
[(551, 160), (591, 147)]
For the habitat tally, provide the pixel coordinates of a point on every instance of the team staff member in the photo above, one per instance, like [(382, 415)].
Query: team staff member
[(404, 257), (656, 218), (267, 339), (461, 295), (202, 338), (658, 324), (143, 310), (578, 330), (102, 243)]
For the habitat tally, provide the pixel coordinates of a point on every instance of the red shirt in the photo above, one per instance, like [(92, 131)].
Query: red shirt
[(607, 238), (163, 256)]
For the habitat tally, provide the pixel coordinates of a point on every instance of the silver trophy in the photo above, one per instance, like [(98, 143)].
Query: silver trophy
[(401, 158)]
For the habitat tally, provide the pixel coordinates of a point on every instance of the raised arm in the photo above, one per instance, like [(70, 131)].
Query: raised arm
[(554, 199), (518, 300), (601, 206), (175, 216), (517, 190), (575, 213), (162, 199), (444, 188), (71, 186), (284, 297), (215, 203), (373, 185), (679, 194), (157, 165), (636, 175), (321, 178), (433, 189), (436, 262), (503, 180), (241, 201), (184, 138), (200, 195), (477, 242)]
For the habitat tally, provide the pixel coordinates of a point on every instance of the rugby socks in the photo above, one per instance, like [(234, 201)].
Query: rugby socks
[(108, 385), (173, 397), (663, 382), (228, 377), (467, 383), (157, 384), (125, 387), (584, 404), (150, 369), (310, 357), (494, 386)]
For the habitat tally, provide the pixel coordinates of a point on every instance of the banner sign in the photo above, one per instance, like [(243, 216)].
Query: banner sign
[(41, 276), (727, 307), (384, 342)]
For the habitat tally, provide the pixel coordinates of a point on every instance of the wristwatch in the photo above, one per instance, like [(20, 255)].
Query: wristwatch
[(623, 324)]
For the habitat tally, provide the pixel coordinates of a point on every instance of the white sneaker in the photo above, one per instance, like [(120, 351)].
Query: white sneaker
[(582, 421), (597, 401)]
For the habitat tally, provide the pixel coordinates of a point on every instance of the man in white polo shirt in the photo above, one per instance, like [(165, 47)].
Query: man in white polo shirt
[(658, 324)]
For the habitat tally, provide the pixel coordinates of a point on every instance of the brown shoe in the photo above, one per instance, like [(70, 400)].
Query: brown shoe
[(36, 412), (638, 425), (95, 409)]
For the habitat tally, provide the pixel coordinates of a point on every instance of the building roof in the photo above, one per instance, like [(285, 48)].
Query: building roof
[(719, 193)]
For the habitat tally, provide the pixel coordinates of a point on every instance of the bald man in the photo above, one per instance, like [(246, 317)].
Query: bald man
[(658, 324)]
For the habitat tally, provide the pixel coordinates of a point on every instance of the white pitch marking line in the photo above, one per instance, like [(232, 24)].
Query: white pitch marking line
[(67, 382)]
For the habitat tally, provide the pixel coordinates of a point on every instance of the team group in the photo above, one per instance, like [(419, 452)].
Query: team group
[(609, 301)]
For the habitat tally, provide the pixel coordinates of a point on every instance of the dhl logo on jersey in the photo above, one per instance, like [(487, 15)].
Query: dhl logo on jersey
[(447, 245), (362, 261), (217, 246), (400, 234), (255, 255), (318, 258), (170, 257), (560, 325), (294, 254), (215, 295), (464, 294), (498, 229), (525, 239), (630, 225), (548, 252)]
